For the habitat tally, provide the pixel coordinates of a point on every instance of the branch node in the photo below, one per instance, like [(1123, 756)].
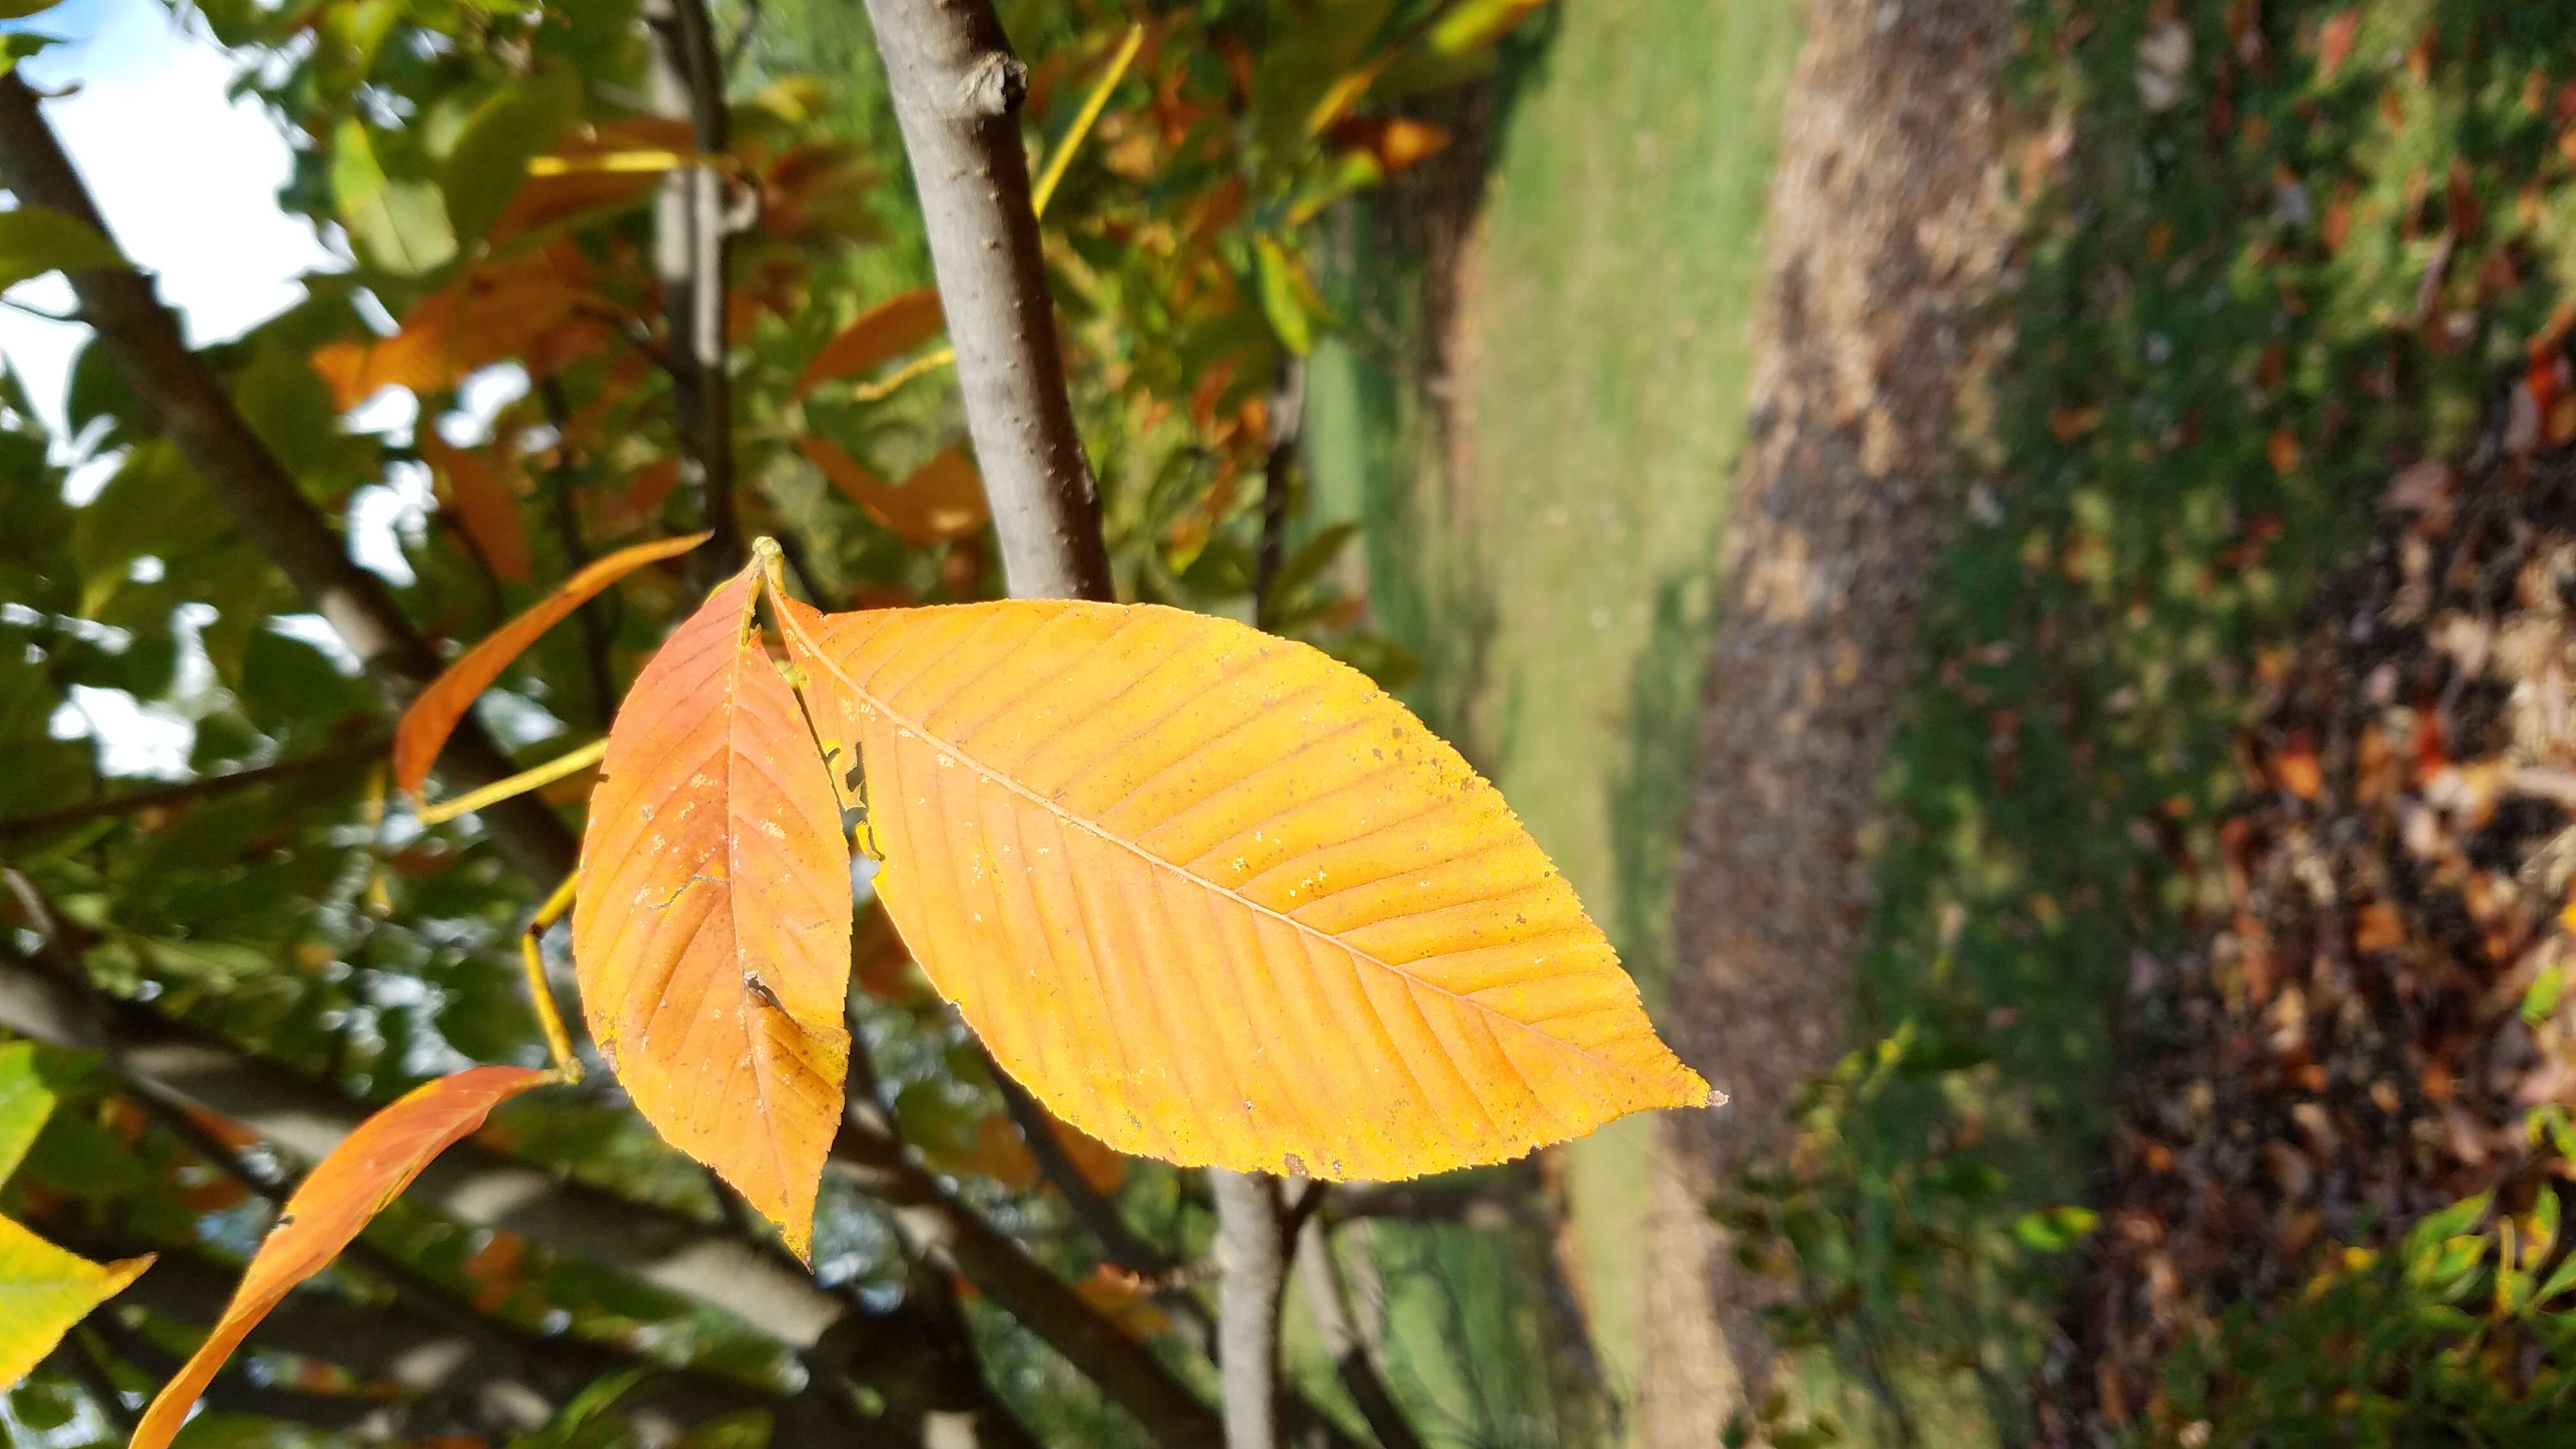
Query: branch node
[(994, 85)]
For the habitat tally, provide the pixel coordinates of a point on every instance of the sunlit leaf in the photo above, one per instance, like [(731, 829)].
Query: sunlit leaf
[(608, 166), (499, 309), (361, 1176), (1215, 899), (432, 717), (712, 930), (941, 500), (25, 1103), (43, 1292), (884, 332), (35, 240)]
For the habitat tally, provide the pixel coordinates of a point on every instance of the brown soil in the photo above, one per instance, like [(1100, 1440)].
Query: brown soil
[(1887, 234)]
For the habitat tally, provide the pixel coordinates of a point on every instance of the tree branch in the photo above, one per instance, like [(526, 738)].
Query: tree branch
[(1096, 1213), (190, 404), (320, 762), (1252, 1268), (1328, 1299), (957, 92), (693, 253), (954, 1239)]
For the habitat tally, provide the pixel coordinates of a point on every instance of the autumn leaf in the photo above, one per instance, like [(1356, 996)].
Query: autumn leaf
[(712, 931), (485, 502), (1217, 899), (608, 166), (432, 717), (884, 332), (938, 502), (44, 1291), (344, 1192), (2334, 42), (529, 305)]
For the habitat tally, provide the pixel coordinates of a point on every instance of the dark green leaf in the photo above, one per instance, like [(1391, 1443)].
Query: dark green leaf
[(35, 240)]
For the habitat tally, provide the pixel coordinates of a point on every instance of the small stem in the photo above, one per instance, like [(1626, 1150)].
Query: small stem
[(345, 757)]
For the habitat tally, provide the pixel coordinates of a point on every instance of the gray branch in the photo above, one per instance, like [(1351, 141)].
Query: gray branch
[(957, 93)]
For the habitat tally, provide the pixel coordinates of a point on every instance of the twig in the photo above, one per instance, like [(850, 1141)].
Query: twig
[(597, 626), (1328, 1299), (192, 406), (692, 251), (957, 93), (1287, 425), (1096, 1213), (321, 762)]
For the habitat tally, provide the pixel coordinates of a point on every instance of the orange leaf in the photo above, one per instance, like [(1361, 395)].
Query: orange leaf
[(496, 1268), (885, 331), (641, 500), (1215, 898), (485, 502), (2334, 42), (1124, 1299), (368, 1170), (939, 501), (604, 168), (433, 716), (2283, 450), (711, 933), (498, 309), (2069, 422), (1396, 142)]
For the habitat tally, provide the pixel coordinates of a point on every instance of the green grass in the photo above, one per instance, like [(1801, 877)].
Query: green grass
[(1559, 593), (2088, 652)]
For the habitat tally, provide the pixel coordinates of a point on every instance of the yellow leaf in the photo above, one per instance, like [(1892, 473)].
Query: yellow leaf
[(43, 1292), (711, 934), (1217, 899)]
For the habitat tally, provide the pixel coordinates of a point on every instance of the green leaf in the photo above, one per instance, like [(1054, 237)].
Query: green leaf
[(35, 240), (396, 225), (2056, 1229), (1310, 560), (2560, 1279), (43, 1292), (2541, 1001), (1285, 295), (513, 125), (24, 1103), (2425, 1241), (741, 1429), (21, 9)]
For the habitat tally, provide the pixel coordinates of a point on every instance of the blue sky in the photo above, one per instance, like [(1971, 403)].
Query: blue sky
[(187, 178)]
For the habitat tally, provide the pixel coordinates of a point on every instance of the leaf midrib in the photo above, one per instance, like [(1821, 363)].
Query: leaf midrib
[(957, 752)]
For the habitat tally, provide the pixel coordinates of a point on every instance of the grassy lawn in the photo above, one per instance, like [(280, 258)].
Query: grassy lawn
[(1557, 584), (2262, 270), (2253, 284)]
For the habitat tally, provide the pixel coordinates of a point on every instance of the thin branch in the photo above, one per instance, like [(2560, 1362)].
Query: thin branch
[(950, 1404), (320, 762), (192, 406), (1287, 425), (951, 1238), (597, 627), (1096, 1213), (692, 252), (1328, 1299), (1252, 1266), (957, 93)]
